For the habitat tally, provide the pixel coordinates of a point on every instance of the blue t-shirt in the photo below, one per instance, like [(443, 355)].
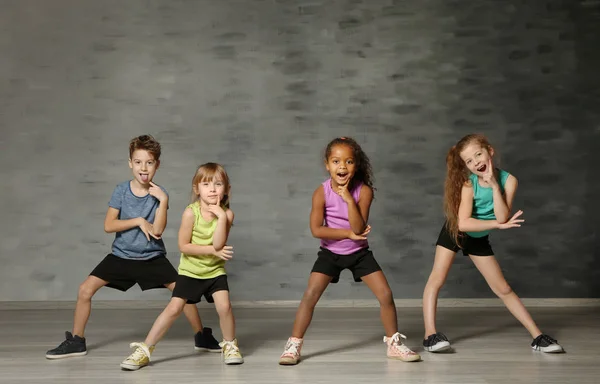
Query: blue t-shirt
[(132, 243), (483, 200)]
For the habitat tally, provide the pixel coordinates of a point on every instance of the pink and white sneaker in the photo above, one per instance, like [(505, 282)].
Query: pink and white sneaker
[(399, 351), (291, 353)]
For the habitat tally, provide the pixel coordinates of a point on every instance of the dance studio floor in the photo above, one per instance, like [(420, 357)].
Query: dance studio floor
[(343, 345)]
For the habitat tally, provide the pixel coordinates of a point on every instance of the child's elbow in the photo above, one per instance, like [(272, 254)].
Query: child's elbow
[(314, 231), (182, 247), (107, 228), (360, 230)]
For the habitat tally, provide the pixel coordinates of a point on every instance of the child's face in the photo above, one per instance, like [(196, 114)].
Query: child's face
[(477, 158), (341, 164), (143, 165), (211, 192)]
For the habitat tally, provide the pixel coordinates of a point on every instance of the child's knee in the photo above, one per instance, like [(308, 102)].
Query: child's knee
[(174, 308), (386, 297), (85, 291), (223, 309), (436, 280), (311, 296), (503, 290)]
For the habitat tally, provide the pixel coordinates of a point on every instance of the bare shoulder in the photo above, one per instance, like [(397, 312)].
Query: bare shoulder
[(366, 193), (467, 189), (319, 194), (510, 185), (188, 214), (230, 215)]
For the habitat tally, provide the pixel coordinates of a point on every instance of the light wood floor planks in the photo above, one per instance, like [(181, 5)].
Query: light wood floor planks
[(342, 345)]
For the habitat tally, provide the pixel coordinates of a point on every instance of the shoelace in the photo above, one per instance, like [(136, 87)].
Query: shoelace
[(395, 341), (141, 351), (66, 343), (292, 347), (545, 338), (230, 348), (440, 337)]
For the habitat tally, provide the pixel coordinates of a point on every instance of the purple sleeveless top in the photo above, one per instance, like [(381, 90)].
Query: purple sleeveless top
[(336, 216)]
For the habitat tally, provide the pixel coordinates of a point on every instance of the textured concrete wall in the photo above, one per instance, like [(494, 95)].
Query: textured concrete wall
[(261, 86)]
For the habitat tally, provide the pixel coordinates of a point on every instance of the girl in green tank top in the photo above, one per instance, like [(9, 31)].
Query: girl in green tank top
[(202, 241)]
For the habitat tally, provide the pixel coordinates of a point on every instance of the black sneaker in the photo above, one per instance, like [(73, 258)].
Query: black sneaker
[(546, 344), (436, 342), (71, 347), (205, 341)]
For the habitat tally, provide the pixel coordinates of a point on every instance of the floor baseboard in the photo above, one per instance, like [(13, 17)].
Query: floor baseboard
[(366, 303)]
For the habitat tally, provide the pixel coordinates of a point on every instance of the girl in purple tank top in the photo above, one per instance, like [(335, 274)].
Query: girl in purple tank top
[(339, 216)]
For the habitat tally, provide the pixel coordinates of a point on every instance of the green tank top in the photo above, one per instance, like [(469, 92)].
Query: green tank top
[(203, 266), (483, 200)]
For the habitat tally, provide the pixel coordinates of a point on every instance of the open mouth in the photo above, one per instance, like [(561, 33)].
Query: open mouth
[(342, 175), (145, 177), (482, 168)]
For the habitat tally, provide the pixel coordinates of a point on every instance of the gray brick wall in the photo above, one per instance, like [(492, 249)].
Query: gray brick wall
[(262, 86)]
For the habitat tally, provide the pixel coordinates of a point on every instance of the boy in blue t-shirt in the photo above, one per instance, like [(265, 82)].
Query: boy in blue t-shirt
[(137, 214)]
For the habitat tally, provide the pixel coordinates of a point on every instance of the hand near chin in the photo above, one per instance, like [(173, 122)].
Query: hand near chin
[(489, 177), (342, 191), (216, 209), (157, 192)]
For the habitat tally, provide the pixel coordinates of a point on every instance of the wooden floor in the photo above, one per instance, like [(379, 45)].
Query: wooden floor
[(342, 345)]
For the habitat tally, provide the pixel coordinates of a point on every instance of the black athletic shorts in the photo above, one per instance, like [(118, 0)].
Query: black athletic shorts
[(360, 263), (476, 246), (123, 274), (192, 289)]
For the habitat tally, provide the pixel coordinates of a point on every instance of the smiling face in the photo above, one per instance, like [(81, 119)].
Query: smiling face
[(477, 158), (143, 166), (341, 164)]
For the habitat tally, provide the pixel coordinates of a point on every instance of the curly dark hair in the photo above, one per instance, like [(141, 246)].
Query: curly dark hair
[(364, 172)]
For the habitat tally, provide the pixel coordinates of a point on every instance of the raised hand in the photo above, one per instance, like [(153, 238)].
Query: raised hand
[(362, 236), (148, 229), (342, 190), (489, 177), (216, 209), (514, 221), (157, 192), (226, 253)]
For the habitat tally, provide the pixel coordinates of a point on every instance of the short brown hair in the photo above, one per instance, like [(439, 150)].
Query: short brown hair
[(146, 142)]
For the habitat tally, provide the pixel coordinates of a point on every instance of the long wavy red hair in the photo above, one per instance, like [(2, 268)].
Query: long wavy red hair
[(457, 175)]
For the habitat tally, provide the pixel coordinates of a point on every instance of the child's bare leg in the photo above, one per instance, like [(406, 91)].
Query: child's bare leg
[(378, 284), (441, 266), (165, 320), (226, 319), (191, 313), (489, 268), (83, 308), (317, 283)]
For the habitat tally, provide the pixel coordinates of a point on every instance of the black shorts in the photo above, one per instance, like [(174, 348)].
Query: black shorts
[(192, 289), (476, 246), (360, 263), (123, 274)]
